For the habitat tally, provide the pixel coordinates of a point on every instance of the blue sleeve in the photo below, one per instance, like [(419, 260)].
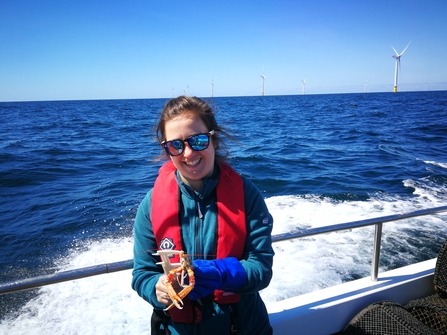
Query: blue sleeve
[(145, 273), (258, 252)]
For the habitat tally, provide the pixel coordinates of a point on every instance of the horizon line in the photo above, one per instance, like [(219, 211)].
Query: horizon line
[(227, 96)]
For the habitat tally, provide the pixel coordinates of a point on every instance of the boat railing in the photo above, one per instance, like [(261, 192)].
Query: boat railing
[(58, 277)]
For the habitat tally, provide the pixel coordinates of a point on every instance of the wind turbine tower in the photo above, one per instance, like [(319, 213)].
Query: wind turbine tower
[(262, 84), (304, 86), (397, 57), (212, 88)]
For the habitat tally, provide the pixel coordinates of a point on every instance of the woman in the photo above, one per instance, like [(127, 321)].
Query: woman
[(200, 205)]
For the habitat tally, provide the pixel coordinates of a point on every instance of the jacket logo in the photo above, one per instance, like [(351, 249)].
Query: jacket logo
[(167, 244)]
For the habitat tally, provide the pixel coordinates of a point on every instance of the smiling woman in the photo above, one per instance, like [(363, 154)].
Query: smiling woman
[(193, 165), (201, 207), (190, 120)]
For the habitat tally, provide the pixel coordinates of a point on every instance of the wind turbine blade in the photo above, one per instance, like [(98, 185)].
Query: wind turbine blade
[(397, 54), (404, 49)]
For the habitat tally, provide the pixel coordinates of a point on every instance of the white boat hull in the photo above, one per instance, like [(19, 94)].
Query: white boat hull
[(329, 310)]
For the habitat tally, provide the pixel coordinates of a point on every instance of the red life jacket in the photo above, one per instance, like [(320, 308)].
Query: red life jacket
[(231, 225)]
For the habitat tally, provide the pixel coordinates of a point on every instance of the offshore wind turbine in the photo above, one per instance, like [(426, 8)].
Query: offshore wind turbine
[(212, 88), (304, 86), (262, 83), (397, 57)]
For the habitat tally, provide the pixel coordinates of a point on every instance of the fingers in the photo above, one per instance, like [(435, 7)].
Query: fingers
[(162, 292), (164, 299), (160, 286)]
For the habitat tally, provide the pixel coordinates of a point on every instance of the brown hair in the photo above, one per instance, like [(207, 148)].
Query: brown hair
[(195, 108)]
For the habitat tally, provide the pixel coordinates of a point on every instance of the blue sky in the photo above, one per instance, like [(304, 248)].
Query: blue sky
[(63, 50)]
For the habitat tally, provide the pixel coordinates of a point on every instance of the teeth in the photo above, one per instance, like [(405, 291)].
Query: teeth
[(192, 163)]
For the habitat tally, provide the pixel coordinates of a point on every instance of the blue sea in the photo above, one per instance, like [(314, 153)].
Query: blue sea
[(72, 174)]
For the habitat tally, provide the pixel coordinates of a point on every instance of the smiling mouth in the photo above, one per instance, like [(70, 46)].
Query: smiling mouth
[(193, 163)]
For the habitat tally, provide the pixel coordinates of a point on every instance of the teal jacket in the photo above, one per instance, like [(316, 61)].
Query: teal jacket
[(199, 242)]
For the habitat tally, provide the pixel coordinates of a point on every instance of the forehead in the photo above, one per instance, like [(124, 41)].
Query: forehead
[(183, 127)]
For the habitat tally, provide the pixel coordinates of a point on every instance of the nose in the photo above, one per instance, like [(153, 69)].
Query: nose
[(187, 151)]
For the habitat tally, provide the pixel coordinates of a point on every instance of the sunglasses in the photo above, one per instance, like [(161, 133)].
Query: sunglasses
[(197, 142)]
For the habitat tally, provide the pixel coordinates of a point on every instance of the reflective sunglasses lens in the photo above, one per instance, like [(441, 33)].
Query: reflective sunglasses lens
[(199, 142), (174, 148)]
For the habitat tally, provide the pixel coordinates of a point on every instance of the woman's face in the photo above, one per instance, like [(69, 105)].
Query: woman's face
[(192, 165)]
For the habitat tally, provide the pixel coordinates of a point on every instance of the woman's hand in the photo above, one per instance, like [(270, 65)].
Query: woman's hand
[(162, 292)]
